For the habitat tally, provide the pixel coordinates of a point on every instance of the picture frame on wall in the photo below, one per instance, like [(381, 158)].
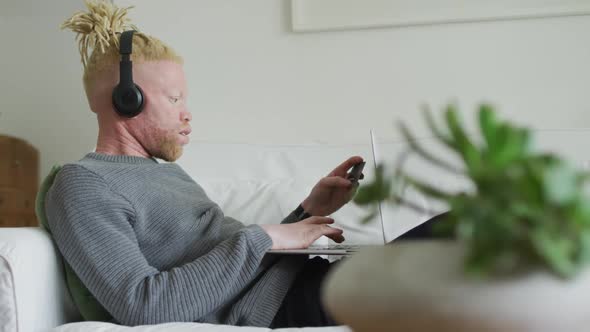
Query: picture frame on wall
[(322, 15)]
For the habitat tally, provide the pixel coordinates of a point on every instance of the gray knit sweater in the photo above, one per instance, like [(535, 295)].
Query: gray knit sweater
[(152, 247)]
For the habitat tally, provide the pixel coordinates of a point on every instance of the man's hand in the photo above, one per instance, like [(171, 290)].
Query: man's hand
[(302, 234), (332, 191)]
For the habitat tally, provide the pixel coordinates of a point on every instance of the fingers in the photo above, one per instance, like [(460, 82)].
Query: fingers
[(322, 227), (337, 238), (345, 166), (336, 181), (318, 227), (328, 231)]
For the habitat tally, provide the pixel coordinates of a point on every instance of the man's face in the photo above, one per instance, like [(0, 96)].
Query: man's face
[(165, 115)]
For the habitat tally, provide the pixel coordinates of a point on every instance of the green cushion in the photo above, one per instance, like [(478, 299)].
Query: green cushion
[(40, 200), (89, 307)]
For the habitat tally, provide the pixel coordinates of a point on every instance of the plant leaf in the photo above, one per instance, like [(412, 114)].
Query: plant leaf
[(436, 131), (560, 184), (488, 125), (423, 153), (467, 150)]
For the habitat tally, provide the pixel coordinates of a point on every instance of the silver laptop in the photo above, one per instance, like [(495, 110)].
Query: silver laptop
[(339, 249)]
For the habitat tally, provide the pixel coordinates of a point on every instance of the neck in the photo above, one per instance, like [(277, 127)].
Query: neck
[(115, 140)]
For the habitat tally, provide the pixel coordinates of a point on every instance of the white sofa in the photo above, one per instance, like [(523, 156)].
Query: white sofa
[(252, 182)]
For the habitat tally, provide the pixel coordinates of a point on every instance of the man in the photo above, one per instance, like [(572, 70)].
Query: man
[(143, 237)]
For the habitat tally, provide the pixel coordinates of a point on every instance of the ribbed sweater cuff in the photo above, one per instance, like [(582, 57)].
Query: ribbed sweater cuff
[(291, 218), (259, 238)]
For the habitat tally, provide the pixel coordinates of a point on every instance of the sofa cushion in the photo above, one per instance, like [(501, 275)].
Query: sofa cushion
[(7, 298), (36, 274)]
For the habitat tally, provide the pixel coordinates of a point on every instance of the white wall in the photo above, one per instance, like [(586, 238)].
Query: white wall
[(41, 94), (253, 80)]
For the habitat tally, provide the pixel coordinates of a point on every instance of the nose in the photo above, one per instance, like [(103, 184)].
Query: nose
[(187, 116)]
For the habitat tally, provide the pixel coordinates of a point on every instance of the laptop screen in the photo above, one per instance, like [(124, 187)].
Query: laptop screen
[(375, 162)]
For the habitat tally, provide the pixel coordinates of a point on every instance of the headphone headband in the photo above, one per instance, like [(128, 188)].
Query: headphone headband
[(126, 42), (125, 67)]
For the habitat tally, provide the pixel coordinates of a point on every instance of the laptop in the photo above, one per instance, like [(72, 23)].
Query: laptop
[(339, 248)]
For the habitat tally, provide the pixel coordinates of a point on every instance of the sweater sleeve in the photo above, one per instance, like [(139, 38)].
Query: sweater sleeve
[(92, 226), (291, 218)]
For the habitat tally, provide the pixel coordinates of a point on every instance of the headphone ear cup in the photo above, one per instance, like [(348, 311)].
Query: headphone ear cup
[(128, 100)]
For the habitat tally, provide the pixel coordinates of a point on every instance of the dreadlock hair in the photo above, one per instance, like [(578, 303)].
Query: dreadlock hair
[(97, 32)]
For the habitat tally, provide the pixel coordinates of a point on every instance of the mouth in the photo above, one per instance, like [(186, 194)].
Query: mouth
[(185, 132)]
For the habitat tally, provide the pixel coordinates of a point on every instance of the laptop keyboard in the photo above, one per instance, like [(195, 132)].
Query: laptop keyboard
[(351, 247)]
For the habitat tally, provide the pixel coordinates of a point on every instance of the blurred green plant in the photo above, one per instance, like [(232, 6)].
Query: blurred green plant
[(527, 209)]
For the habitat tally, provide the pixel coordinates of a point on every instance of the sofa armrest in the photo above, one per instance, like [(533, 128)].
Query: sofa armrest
[(36, 271)]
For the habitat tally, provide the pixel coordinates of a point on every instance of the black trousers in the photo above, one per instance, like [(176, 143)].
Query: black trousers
[(302, 306)]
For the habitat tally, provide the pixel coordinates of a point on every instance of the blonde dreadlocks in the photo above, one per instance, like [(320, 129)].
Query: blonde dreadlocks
[(97, 32)]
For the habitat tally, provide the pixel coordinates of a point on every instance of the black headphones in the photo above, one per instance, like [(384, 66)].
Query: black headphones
[(127, 96)]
